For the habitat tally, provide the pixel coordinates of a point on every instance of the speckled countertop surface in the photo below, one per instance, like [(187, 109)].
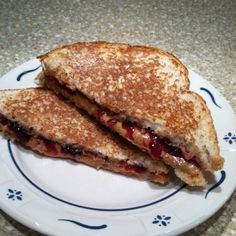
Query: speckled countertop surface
[(201, 33)]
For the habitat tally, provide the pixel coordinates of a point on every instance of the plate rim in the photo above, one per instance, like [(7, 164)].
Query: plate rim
[(16, 215)]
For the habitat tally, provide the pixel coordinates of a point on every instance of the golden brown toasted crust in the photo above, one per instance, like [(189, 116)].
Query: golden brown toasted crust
[(38, 144), (143, 84), (123, 78), (44, 114), (136, 82), (191, 174)]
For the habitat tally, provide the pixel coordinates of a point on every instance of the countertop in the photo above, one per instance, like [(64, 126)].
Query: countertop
[(201, 33)]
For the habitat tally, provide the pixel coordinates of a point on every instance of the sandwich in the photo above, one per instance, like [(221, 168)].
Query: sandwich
[(38, 119), (141, 93)]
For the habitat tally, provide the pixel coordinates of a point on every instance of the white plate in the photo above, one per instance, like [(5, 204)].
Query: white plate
[(58, 197)]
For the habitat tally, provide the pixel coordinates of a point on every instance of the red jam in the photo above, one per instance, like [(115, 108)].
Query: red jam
[(130, 127), (172, 150), (100, 113), (51, 147), (73, 151), (3, 120), (138, 169), (156, 145), (111, 122), (19, 132), (127, 167), (129, 130)]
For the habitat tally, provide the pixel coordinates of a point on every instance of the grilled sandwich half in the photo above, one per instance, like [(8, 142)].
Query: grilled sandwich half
[(142, 93), (43, 122)]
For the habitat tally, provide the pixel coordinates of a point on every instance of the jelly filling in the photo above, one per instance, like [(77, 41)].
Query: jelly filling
[(50, 146), (19, 132), (127, 167), (73, 151), (129, 127), (155, 144), (23, 137)]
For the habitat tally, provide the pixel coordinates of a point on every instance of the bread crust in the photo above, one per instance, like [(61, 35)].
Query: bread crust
[(142, 84), (193, 175), (42, 113), (132, 81), (97, 161)]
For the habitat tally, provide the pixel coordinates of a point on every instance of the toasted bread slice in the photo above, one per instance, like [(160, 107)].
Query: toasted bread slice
[(145, 86), (40, 120), (192, 174)]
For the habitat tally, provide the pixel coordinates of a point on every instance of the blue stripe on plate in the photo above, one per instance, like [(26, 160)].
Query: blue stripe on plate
[(211, 95), (85, 225), (18, 78), (87, 207)]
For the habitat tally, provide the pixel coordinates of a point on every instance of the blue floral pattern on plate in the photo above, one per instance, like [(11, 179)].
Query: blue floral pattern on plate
[(162, 220), (14, 194), (230, 138), (161, 223), (175, 191)]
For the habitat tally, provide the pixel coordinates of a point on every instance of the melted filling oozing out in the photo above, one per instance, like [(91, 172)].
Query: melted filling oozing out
[(50, 146), (22, 136), (124, 165), (19, 132), (155, 144)]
